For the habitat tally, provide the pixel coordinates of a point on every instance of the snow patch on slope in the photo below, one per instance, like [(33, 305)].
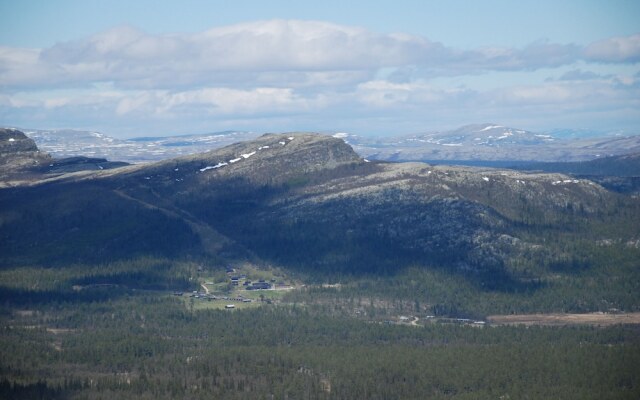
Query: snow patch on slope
[(490, 127)]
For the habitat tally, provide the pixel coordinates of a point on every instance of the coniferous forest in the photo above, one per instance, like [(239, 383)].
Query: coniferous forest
[(67, 333)]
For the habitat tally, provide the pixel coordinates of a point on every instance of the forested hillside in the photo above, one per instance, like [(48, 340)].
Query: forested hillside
[(374, 280)]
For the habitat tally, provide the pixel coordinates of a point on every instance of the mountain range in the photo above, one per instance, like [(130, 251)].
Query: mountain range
[(70, 143), (486, 143), (310, 203), (480, 143)]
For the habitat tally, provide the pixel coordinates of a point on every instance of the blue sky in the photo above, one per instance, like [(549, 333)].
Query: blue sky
[(376, 67)]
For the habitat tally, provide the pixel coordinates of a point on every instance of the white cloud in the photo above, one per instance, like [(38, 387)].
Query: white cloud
[(216, 101), (418, 94), (260, 51), (565, 96), (543, 94), (315, 72), (580, 75), (534, 56), (623, 49), (251, 50)]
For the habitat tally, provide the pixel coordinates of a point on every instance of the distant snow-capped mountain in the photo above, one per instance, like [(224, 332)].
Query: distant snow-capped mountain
[(483, 135), (494, 142)]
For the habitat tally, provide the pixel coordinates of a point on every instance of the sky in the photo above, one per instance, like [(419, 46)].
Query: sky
[(155, 68)]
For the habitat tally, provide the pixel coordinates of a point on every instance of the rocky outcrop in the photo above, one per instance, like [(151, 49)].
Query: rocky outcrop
[(18, 153)]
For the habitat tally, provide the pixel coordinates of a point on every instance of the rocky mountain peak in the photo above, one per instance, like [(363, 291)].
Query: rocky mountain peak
[(18, 152), (270, 158), (13, 141)]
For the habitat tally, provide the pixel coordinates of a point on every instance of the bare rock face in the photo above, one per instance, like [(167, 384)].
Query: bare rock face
[(18, 153), (14, 141)]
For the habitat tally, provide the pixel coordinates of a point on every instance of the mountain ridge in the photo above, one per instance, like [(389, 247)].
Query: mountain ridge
[(491, 142), (307, 202), (471, 143)]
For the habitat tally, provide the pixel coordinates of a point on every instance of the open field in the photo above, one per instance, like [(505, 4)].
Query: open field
[(596, 319), (217, 295)]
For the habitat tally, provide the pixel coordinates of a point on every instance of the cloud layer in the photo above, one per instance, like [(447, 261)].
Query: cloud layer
[(309, 70)]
